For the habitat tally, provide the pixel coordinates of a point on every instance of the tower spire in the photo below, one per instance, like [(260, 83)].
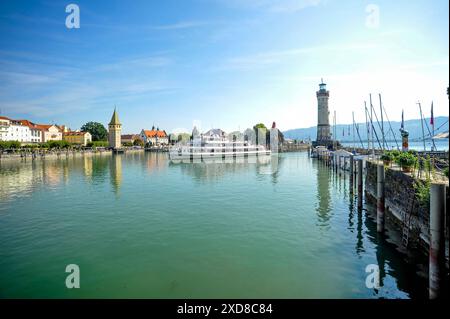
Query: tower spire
[(114, 118), (115, 129)]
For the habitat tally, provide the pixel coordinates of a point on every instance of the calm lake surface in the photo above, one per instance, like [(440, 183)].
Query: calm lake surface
[(139, 226)]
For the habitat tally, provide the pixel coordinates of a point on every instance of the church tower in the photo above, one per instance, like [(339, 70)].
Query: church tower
[(114, 131), (323, 122)]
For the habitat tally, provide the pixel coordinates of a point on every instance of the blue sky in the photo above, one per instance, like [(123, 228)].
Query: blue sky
[(221, 63)]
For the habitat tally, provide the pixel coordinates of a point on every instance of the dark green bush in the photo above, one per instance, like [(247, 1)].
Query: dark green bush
[(406, 160), (4, 145), (422, 190), (387, 156)]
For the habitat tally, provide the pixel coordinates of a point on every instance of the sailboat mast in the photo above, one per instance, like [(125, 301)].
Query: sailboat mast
[(354, 141), (390, 127), (432, 126), (367, 128), (421, 122), (371, 125), (382, 124), (335, 131)]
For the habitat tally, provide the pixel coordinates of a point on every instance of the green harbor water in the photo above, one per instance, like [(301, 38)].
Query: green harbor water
[(139, 226)]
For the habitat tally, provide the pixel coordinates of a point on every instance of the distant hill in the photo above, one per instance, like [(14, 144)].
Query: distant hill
[(412, 126)]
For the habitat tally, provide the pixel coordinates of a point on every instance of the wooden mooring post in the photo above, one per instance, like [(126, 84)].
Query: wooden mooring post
[(437, 241), (360, 183), (351, 174), (380, 198)]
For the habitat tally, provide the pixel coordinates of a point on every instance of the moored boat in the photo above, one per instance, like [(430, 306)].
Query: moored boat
[(216, 148)]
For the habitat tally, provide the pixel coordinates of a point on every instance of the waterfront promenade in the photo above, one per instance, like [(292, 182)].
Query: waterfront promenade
[(51, 154)]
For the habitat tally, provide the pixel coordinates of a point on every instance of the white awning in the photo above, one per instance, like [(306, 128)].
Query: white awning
[(443, 135)]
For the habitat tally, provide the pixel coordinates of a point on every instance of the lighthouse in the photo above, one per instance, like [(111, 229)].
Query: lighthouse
[(323, 122)]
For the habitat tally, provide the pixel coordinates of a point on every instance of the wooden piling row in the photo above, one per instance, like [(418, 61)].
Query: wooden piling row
[(437, 212)]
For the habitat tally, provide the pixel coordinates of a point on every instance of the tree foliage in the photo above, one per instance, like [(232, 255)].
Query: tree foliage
[(56, 144), (98, 144), (97, 130), (4, 145), (138, 142), (260, 126)]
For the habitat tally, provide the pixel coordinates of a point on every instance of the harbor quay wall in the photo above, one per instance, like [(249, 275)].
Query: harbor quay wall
[(59, 154), (401, 202), (284, 147)]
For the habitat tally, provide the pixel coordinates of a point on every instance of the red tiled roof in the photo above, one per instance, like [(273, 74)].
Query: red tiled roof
[(155, 133), (28, 123), (44, 126)]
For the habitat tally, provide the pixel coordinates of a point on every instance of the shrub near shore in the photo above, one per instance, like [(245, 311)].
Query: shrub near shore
[(4, 145), (15, 145)]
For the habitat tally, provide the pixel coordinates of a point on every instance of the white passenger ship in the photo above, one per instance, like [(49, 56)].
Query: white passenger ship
[(215, 146)]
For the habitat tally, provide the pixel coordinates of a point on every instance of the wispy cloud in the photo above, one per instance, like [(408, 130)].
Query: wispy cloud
[(135, 63), (293, 5), (268, 58), (180, 25), (20, 78), (276, 6), (49, 90)]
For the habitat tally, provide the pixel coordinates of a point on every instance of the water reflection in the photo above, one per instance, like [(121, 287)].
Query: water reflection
[(99, 168), (274, 169), (324, 208), (154, 162), (213, 170), (394, 265), (359, 234), (21, 177), (87, 167), (115, 175)]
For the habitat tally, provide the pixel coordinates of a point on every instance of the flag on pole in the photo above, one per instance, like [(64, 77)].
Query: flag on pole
[(349, 130), (403, 123), (432, 116), (343, 132)]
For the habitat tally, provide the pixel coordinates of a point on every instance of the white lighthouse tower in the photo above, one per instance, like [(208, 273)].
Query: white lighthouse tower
[(323, 122)]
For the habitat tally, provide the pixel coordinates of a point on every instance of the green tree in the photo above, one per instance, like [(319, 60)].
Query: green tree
[(261, 131), (97, 130), (9, 144), (183, 137), (261, 126), (138, 142), (57, 144)]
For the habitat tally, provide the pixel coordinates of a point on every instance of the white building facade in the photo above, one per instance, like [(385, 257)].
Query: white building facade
[(12, 130), (154, 137), (25, 131), (51, 133)]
